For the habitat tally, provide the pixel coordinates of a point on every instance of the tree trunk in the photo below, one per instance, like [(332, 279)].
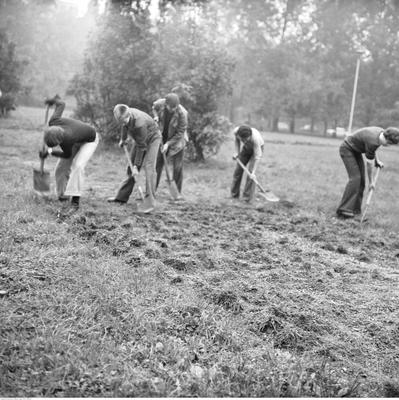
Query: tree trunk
[(285, 22), (292, 124), (199, 153), (312, 125), (275, 124)]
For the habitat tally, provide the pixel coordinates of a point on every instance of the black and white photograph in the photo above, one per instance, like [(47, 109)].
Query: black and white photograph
[(199, 198)]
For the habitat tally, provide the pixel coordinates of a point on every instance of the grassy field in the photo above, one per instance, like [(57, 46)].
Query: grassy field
[(203, 297)]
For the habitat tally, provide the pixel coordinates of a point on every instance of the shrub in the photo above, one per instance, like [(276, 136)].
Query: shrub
[(132, 61)]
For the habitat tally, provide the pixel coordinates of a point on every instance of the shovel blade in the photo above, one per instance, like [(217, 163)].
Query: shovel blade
[(41, 180), (269, 196)]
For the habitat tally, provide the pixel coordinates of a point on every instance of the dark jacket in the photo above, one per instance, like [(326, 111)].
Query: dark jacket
[(75, 132), (143, 130), (365, 140), (177, 130)]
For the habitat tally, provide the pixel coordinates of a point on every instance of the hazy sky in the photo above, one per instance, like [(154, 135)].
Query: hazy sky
[(81, 5)]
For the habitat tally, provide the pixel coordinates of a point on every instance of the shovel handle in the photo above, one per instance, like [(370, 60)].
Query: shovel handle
[(46, 115), (128, 157), (131, 169), (42, 160), (248, 173), (370, 195), (165, 161)]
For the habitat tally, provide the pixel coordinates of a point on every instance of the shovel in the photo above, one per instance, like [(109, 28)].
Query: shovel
[(131, 169), (266, 194), (173, 190), (41, 178), (370, 195)]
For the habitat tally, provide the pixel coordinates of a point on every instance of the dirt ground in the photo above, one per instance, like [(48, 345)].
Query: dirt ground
[(204, 297)]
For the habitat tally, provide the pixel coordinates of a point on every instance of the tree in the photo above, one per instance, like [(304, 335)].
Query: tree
[(193, 59), (133, 60), (10, 72), (119, 67), (50, 39)]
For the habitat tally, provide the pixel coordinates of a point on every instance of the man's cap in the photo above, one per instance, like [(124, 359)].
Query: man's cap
[(120, 110)]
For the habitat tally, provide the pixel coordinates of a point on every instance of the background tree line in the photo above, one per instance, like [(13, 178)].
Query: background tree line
[(258, 61)]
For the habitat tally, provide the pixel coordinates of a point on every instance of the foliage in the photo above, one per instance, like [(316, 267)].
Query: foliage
[(50, 38), (177, 52), (119, 67), (208, 136), (10, 69), (199, 69), (292, 58), (307, 51)]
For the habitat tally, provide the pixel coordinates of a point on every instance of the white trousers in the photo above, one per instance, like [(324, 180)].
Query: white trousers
[(69, 172)]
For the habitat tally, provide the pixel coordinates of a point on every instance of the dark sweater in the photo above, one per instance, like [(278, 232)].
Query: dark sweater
[(365, 140), (76, 132)]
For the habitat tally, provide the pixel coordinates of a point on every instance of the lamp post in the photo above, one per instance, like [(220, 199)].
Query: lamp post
[(359, 53)]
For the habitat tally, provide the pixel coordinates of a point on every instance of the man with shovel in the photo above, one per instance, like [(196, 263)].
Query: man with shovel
[(172, 119), (142, 128), (249, 149), (77, 142), (363, 141)]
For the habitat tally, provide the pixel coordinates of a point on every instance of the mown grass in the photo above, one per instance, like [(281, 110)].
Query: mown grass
[(203, 298)]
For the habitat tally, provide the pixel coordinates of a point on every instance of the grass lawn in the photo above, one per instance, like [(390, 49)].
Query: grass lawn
[(204, 297)]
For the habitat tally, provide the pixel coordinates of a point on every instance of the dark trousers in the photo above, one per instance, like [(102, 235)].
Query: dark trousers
[(177, 164), (351, 201), (246, 157)]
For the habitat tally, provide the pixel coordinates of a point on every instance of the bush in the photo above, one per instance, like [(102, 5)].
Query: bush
[(7, 103), (207, 137), (132, 61)]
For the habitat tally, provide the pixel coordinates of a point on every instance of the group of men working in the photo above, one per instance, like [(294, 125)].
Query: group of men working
[(165, 134)]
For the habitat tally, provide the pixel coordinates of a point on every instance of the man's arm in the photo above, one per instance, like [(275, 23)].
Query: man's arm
[(123, 138), (59, 109), (65, 153), (237, 145), (256, 162)]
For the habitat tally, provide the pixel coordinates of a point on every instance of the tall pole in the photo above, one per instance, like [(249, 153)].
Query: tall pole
[(354, 94)]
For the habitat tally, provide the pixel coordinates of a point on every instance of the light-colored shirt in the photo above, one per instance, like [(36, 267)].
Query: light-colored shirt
[(256, 141)]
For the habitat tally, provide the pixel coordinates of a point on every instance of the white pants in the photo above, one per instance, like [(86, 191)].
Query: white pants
[(69, 172)]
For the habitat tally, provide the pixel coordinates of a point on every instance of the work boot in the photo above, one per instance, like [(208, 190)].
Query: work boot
[(115, 200), (75, 201), (146, 207), (345, 214)]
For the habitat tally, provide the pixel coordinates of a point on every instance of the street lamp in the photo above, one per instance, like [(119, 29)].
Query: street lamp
[(359, 53)]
